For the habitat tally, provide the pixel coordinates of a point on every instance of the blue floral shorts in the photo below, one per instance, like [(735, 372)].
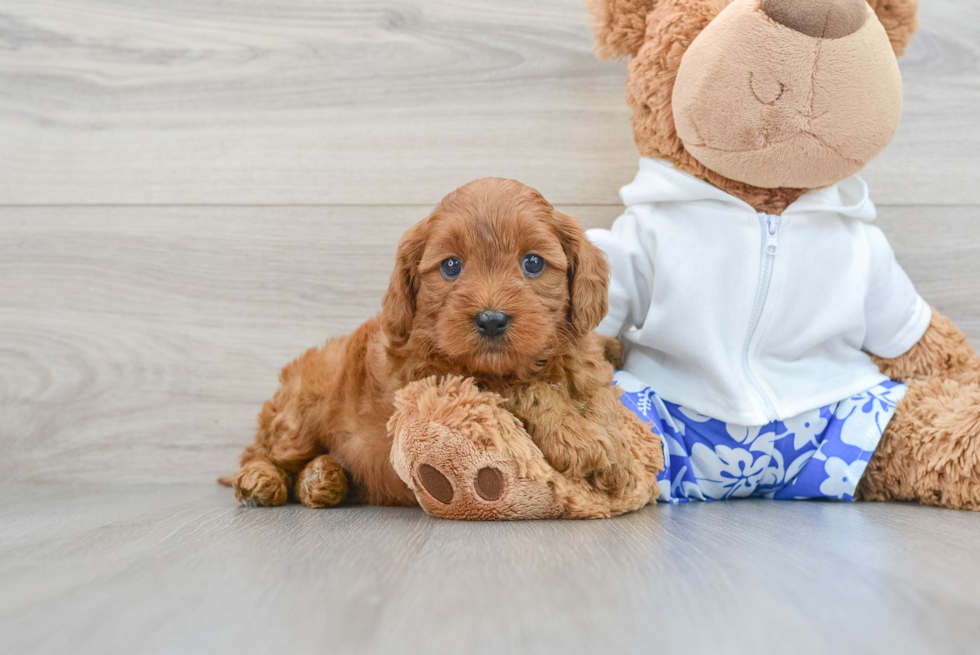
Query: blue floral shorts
[(819, 454)]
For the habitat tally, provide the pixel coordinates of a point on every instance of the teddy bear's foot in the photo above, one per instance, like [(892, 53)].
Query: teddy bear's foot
[(261, 484), (930, 451), (321, 483), (467, 458)]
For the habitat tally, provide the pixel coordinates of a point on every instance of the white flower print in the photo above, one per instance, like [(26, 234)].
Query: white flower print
[(664, 414), (673, 431), (862, 434), (806, 428), (694, 416), (774, 473), (681, 488), (630, 383), (743, 434), (764, 440), (806, 456), (843, 477), (673, 445), (797, 464), (765, 444), (880, 404), (644, 401), (726, 472), (692, 490)]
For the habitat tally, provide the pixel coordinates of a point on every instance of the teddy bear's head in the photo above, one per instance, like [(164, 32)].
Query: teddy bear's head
[(762, 98)]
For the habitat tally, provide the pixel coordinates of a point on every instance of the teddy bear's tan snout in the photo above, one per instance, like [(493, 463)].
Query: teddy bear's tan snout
[(788, 93)]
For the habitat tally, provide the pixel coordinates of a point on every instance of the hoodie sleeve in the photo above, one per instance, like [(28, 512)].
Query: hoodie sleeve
[(631, 274), (895, 314)]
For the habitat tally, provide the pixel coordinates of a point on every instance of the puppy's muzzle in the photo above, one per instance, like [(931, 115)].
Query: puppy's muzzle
[(491, 323)]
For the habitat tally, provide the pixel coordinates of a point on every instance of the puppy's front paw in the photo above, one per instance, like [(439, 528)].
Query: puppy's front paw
[(614, 479), (261, 484), (321, 483), (609, 467)]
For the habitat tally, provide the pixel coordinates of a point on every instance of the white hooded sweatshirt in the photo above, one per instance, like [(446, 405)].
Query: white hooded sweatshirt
[(750, 318)]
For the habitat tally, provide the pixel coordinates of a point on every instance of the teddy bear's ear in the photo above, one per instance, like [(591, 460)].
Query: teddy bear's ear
[(900, 19), (619, 26)]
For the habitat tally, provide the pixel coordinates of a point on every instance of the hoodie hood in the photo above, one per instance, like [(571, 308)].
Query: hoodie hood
[(659, 182)]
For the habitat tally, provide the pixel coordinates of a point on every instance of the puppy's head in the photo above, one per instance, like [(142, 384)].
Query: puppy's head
[(494, 281)]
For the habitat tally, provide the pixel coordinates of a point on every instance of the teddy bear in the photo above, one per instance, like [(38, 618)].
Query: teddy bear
[(773, 344), (783, 349)]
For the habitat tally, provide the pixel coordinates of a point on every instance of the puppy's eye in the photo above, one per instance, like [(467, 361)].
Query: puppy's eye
[(451, 267), (533, 265)]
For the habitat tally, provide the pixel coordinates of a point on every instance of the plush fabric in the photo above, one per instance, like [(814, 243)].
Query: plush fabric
[(690, 90), (751, 318), (820, 453), (806, 118), (822, 19), (930, 451), (671, 26), (491, 469), (900, 19), (620, 25)]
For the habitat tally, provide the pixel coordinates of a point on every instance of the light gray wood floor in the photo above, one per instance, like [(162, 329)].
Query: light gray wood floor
[(193, 193), (183, 569)]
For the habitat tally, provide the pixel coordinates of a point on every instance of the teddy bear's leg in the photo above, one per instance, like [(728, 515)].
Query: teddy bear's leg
[(465, 457), (930, 451), (321, 483)]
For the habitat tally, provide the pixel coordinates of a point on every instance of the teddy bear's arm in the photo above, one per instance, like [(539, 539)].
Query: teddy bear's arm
[(943, 352)]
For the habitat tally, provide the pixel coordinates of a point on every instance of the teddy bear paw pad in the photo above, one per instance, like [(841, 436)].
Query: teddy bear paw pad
[(437, 484), (489, 484)]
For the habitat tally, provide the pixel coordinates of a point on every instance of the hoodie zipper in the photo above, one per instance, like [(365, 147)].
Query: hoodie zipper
[(770, 241)]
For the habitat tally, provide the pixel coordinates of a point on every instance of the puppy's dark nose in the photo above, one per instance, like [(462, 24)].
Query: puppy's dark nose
[(491, 323)]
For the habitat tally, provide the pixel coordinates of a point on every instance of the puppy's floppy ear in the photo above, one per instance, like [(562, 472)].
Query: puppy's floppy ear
[(900, 19), (398, 306), (619, 26), (588, 275)]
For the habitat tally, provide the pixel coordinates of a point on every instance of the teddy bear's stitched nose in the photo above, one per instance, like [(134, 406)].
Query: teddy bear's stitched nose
[(823, 19)]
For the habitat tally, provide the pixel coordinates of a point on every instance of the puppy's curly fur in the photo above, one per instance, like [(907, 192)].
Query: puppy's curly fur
[(334, 402)]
